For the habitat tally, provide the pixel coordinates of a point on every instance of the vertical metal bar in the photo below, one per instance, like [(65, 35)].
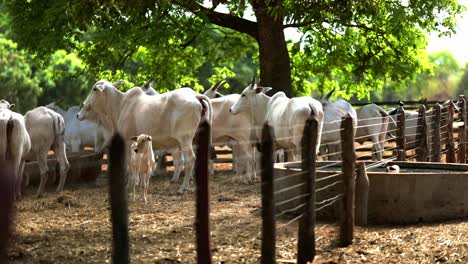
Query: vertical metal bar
[(349, 162), (202, 219), (306, 233), (268, 199), (118, 201)]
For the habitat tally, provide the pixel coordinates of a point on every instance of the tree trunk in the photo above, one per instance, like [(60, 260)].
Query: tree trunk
[(275, 66)]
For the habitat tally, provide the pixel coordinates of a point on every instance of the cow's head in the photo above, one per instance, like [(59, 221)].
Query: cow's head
[(142, 141), (248, 98), (4, 104), (95, 102), (213, 91)]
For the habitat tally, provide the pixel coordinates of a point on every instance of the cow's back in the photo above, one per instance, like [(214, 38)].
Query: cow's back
[(40, 126), (164, 117)]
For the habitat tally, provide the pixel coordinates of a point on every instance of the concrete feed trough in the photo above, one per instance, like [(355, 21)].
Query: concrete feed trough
[(420, 192), (84, 166)]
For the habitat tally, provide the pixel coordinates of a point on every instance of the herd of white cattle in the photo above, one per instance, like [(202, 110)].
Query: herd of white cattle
[(152, 122)]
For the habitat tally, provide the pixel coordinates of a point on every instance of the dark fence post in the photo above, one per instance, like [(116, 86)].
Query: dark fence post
[(422, 150), (268, 199), (401, 137), (202, 218), (7, 180), (463, 131), (306, 233), (450, 144), (118, 201), (349, 162), (436, 145)]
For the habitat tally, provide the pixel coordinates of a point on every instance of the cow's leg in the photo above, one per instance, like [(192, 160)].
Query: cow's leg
[(61, 156), (178, 162), (235, 157), (245, 159), (17, 179), (212, 160), (42, 162), (189, 157), (146, 178)]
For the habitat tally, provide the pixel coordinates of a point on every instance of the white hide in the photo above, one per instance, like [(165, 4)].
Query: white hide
[(331, 135), (46, 131), (286, 116), (373, 122), (15, 143), (142, 163), (178, 114), (81, 134)]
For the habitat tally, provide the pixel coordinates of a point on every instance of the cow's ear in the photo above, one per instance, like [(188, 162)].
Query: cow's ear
[(99, 87), (266, 89), (261, 89), (218, 95), (118, 84), (149, 138), (12, 106), (134, 138)]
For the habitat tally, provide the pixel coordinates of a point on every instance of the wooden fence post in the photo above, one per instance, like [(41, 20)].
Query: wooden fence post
[(422, 150), (436, 145), (118, 201), (7, 183), (349, 161), (463, 131), (450, 144), (268, 199), (401, 137), (362, 194), (306, 233), (202, 218)]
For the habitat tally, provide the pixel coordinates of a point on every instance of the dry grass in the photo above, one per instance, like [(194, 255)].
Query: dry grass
[(73, 227)]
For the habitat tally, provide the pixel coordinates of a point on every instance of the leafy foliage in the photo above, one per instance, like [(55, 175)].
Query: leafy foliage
[(354, 46)]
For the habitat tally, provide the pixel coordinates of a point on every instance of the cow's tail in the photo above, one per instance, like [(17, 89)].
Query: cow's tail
[(59, 127), (207, 111), (5, 116), (317, 111)]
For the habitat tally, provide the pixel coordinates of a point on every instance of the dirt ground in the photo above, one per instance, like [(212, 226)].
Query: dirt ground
[(74, 227)]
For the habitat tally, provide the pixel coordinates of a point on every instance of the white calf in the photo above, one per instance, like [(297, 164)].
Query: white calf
[(142, 163), (14, 142), (46, 129)]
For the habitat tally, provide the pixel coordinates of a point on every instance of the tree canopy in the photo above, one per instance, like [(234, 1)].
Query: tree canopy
[(354, 46)]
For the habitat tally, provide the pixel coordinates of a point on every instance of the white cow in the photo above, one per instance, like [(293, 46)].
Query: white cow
[(142, 163), (80, 134), (14, 142), (171, 119), (46, 130), (373, 122), (286, 116), (331, 135), (227, 127)]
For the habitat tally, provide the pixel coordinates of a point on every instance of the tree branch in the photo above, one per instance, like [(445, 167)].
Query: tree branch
[(224, 20)]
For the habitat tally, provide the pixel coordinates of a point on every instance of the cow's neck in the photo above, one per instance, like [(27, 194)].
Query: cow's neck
[(259, 112), (113, 109)]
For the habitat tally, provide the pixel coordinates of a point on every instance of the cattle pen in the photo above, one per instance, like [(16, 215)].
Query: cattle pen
[(226, 221)]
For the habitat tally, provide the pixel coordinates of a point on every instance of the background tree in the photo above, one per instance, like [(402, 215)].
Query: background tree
[(353, 45)]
